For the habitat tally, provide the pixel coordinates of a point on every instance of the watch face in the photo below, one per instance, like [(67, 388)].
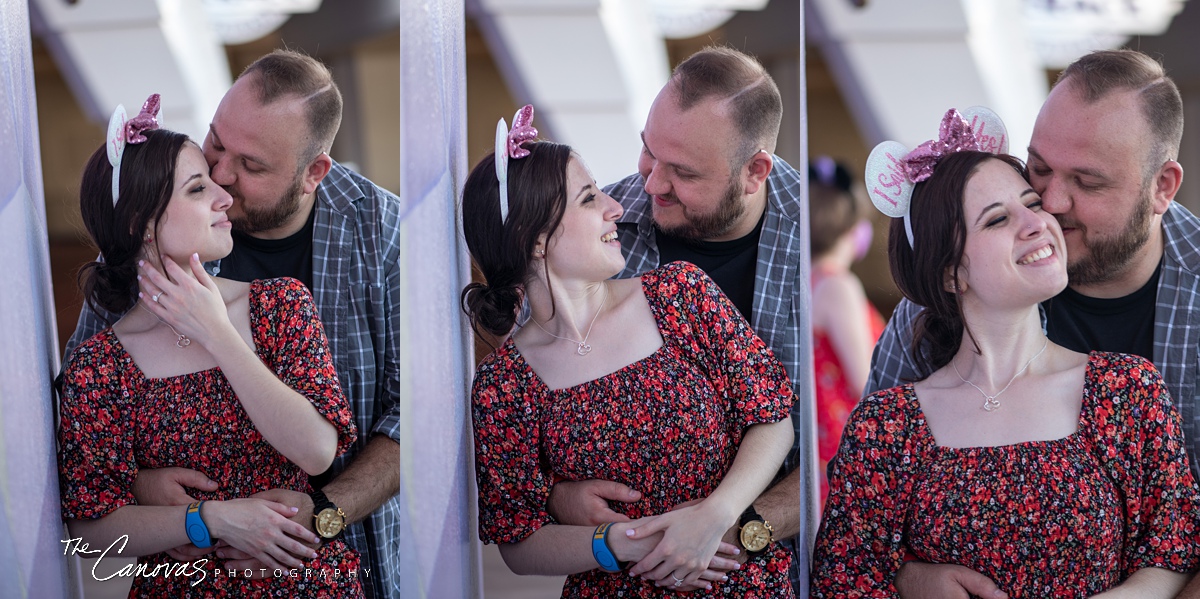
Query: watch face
[(755, 536), (329, 523)]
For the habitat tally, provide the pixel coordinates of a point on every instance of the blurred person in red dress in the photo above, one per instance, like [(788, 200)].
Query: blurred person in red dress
[(845, 324)]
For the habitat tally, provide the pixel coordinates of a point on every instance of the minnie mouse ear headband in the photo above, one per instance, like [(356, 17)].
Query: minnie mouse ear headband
[(122, 131), (893, 171), (508, 145)]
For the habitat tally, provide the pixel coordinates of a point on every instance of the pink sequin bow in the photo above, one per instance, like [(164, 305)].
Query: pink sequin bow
[(146, 120), (954, 135), (522, 131)]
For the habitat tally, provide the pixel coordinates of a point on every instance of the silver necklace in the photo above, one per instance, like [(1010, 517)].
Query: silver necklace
[(583, 348), (990, 402), (183, 340)]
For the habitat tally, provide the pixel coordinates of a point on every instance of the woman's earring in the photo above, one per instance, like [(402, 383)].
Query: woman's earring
[(149, 239), (541, 253)]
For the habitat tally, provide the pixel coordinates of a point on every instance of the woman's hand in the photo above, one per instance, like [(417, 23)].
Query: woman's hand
[(261, 529), (691, 537), (188, 301)]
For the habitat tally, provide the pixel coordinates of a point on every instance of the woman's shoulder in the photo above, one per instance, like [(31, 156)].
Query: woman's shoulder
[(676, 279), (1132, 380), (96, 361), (887, 416)]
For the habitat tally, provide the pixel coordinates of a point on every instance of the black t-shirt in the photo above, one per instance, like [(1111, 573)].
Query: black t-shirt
[(1122, 324), (730, 264), (253, 258)]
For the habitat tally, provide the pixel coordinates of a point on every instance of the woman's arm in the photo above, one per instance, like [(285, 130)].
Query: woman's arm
[(260, 528), (691, 535), (284, 417), (1147, 583)]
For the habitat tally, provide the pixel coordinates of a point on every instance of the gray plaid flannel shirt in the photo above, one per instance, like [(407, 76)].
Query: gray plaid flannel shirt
[(1176, 328), (356, 286), (780, 304)]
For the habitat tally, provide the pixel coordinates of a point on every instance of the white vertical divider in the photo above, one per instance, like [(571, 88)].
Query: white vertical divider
[(31, 554), (440, 557)]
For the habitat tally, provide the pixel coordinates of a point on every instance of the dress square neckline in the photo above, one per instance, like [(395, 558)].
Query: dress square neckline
[(136, 368), (1080, 422), (511, 347)]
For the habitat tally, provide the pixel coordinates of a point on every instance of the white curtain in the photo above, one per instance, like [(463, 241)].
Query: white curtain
[(31, 555), (439, 555)]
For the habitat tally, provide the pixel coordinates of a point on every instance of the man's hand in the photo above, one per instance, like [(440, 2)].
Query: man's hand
[(919, 580), (585, 502), (239, 560), (165, 486)]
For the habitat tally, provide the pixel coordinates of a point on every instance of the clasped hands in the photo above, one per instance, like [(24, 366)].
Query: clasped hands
[(692, 542), (166, 486)]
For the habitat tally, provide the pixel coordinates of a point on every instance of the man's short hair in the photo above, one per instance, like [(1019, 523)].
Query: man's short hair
[(727, 74), (1100, 73), (290, 74)]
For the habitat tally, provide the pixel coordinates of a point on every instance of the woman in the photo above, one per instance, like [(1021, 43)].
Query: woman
[(1052, 472), (845, 324), (231, 379), (656, 382)]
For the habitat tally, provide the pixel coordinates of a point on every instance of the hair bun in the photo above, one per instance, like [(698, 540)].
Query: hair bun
[(493, 309)]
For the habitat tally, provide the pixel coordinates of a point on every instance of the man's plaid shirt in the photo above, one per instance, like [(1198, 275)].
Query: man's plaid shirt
[(356, 286), (780, 305), (1176, 328)]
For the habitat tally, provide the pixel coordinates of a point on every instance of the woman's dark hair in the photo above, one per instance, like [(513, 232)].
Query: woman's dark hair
[(147, 178), (503, 251), (939, 236)]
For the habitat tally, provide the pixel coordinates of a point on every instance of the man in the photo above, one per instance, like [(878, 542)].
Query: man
[(710, 191), (1102, 157), (298, 213)]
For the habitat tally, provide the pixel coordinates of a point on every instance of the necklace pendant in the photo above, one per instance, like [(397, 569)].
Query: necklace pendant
[(183, 342), (583, 349), (990, 403)]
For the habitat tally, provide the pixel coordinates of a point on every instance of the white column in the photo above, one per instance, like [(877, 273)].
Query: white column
[(120, 52), (439, 553), (595, 100), (900, 65), (31, 554)]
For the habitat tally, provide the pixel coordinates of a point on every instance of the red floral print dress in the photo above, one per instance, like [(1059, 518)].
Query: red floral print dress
[(115, 421), (668, 425), (1065, 518)]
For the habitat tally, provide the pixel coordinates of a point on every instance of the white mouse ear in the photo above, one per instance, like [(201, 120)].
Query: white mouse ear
[(989, 129), (887, 183), (502, 167)]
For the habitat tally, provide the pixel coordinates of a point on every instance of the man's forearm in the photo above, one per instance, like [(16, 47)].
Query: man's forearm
[(780, 505), (372, 478)]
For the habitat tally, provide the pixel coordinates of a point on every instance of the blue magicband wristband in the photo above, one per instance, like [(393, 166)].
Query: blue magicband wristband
[(601, 551), (197, 531)]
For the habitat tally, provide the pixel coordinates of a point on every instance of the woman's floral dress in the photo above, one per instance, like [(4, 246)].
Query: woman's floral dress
[(668, 425), (115, 421), (1065, 518)]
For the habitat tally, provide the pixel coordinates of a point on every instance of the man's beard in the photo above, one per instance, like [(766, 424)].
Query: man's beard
[(1107, 259), (700, 227), (254, 220)]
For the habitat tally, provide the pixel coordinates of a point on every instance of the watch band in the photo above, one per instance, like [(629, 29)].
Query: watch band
[(197, 530), (748, 515), (320, 501), (602, 552)]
